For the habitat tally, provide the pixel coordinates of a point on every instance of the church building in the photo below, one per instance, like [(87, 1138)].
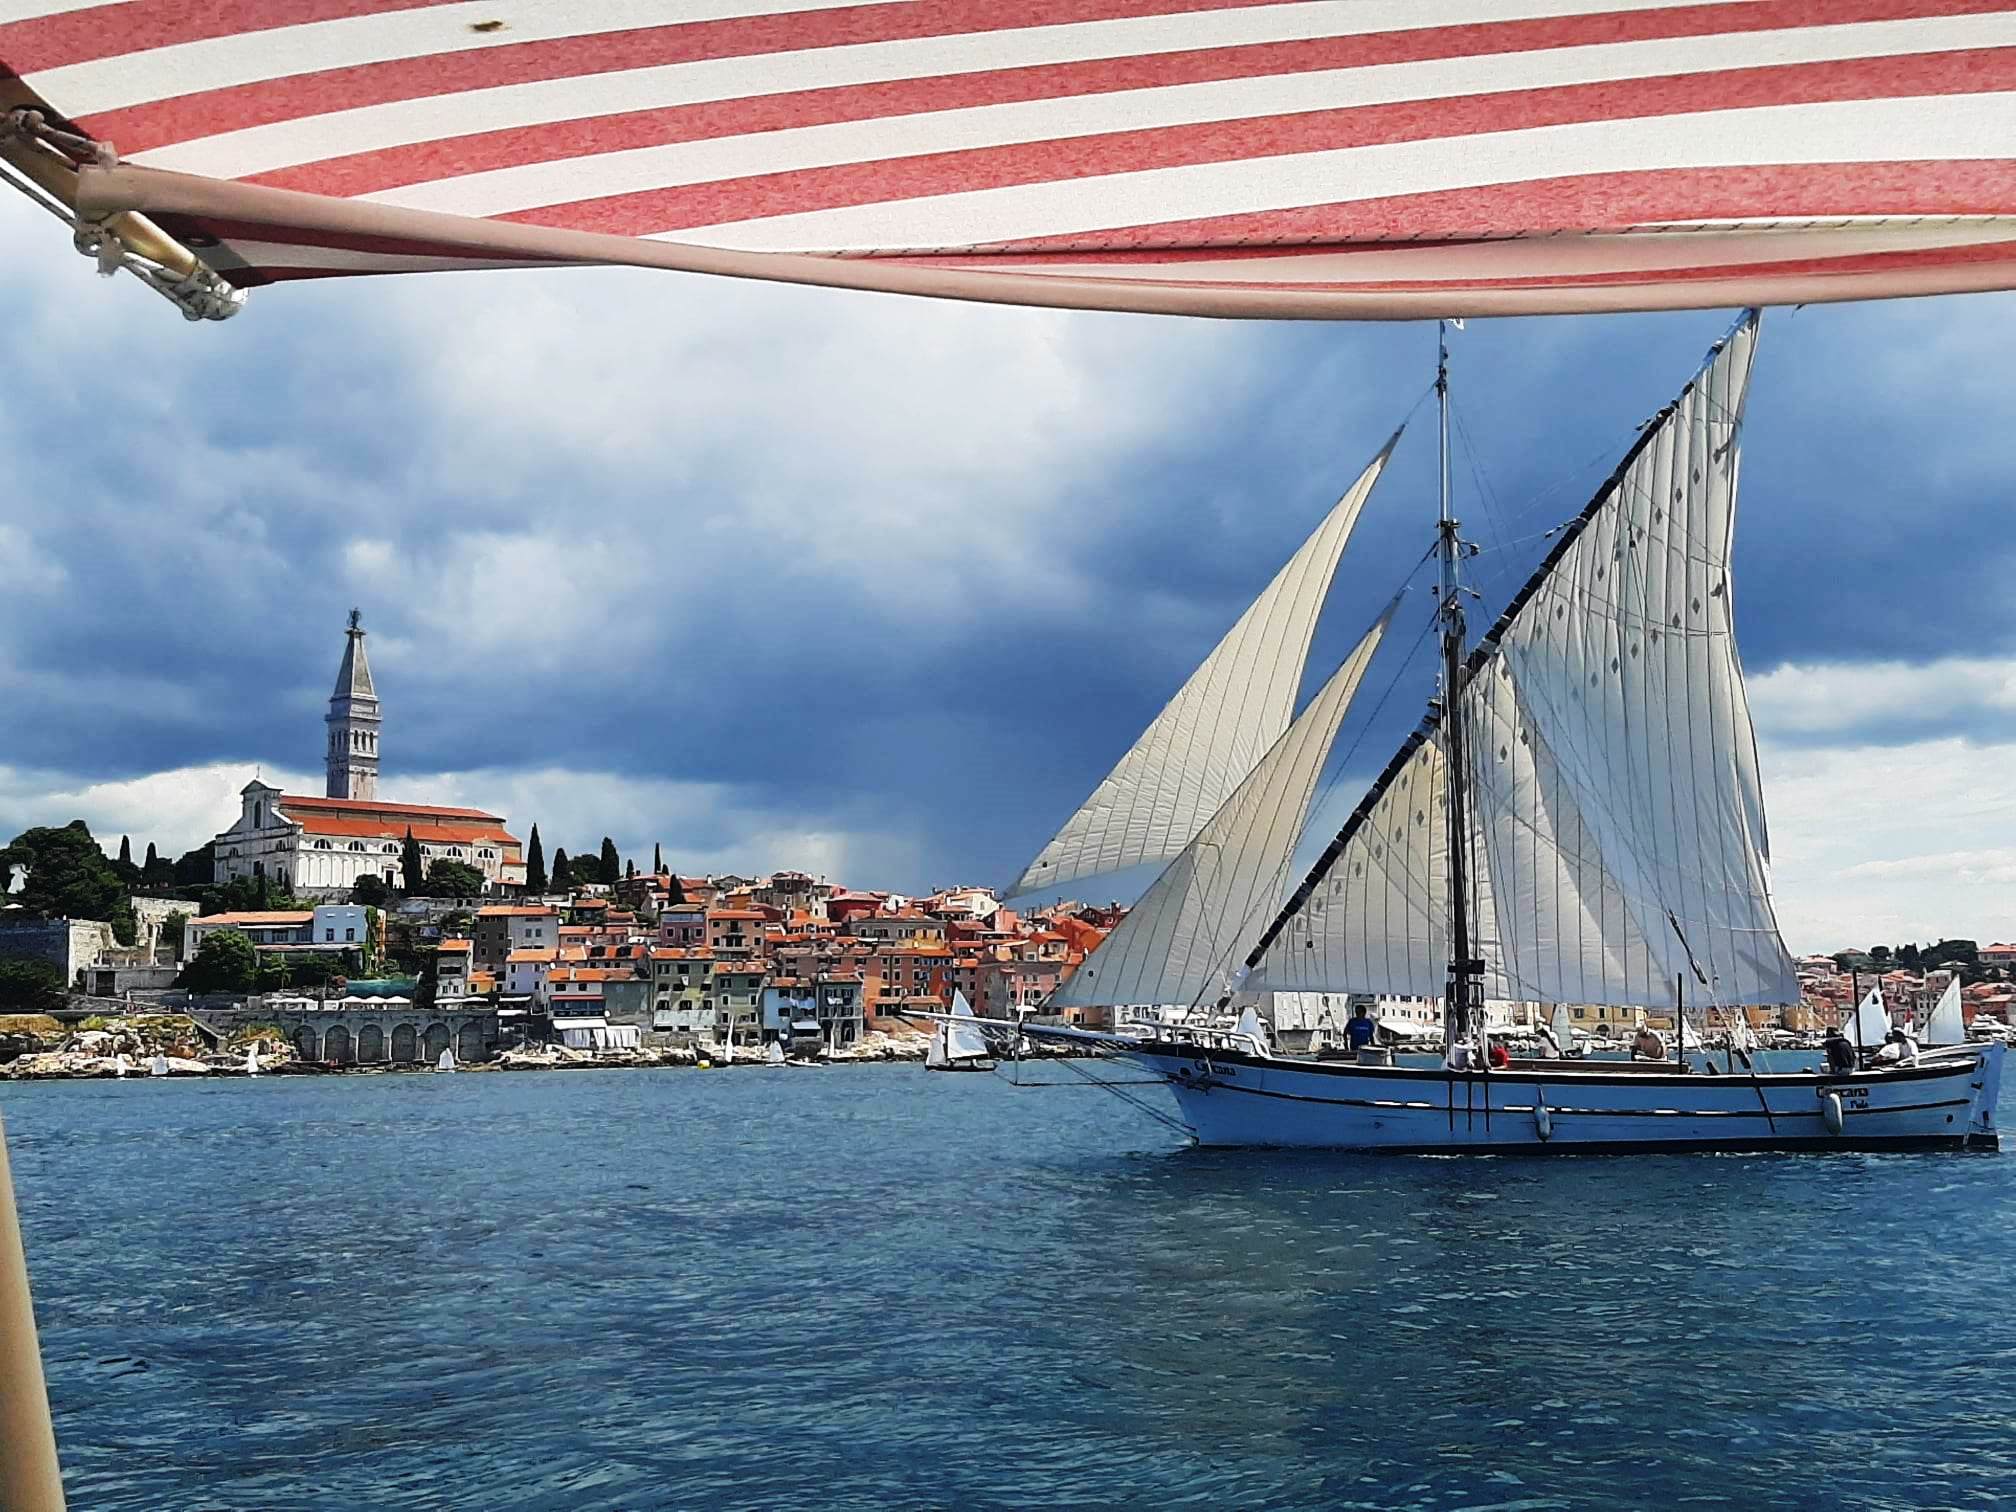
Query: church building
[(322, 846)]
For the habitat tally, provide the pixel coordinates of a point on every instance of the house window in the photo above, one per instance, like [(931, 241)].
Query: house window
[(348, 934), (328, 934)]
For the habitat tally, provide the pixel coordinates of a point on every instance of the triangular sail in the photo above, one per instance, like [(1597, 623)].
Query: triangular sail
[(1209, 736), (1180, 941), (1946, 1025), (1617, 822), (963, 1039), (935, 1058), (1869, 1025)]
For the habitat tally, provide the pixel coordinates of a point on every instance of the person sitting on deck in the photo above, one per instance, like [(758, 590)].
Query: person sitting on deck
[(1500, 1057), (1898, 1048), (1647, 1045), (1360, 1031)]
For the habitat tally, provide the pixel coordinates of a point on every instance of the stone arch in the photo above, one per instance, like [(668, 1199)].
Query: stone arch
[(405, 1043), (370, 1045), (434, 1042), (336, 1046), (305, 1044), (469, 1043)]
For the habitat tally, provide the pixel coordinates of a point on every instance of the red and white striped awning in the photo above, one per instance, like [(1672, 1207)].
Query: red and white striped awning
[(1342, 158)]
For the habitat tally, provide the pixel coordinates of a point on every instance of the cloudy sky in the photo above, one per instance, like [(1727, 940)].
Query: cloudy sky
[(880, 588)]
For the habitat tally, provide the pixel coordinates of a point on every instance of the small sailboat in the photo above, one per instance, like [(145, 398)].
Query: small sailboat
[(1869, 1025), (158, 1066), (446, 1060), (252, 1059), (120, 1065), (957, 1043), (1560, 1036), (773, 1053), (1578, 819)]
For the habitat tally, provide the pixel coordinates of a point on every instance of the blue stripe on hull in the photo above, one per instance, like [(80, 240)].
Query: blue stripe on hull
[(1246, 1101)]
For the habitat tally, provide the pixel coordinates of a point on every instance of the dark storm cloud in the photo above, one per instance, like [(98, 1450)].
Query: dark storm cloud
[(930, 585)]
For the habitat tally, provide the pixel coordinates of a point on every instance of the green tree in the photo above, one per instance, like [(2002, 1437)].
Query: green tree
[(197, 868), (1880, 954), (675, 895), (157, 871), (563, 872), (612, 868), (224, 962), (171, 930), (429, 983), (453, 879), (30, 986), (535, 865), (657, 859), (128, 872), (1909, 958), (411, 871), (371, 890), (69, 877)]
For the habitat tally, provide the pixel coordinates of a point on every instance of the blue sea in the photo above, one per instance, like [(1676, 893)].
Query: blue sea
[(873, 1287)]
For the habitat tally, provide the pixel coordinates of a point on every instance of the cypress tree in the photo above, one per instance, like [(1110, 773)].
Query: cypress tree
[(657, 859), (675, 895), (563, 872), (410, 868), (151, 857), (629, 869), (535, 865), (125, 850), (612, 869)]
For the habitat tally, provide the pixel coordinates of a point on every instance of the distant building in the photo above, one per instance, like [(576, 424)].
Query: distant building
[(331, 928), (322, 847)]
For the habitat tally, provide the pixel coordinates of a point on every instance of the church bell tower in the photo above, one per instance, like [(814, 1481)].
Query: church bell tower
[(353, 722)]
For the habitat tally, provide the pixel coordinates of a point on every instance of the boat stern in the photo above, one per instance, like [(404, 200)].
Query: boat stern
[(1986, 1086)]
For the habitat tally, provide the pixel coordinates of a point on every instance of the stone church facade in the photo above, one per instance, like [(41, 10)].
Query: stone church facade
[(322, 847)]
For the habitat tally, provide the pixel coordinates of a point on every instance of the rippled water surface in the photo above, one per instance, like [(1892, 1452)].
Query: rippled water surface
[(875, 1287)]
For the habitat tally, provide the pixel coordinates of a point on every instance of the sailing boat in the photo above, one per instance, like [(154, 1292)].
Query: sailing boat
[(446, 1060), (252, 1059), (1869, 1025), (1578, 819), (773, 1053), (957, 1043)]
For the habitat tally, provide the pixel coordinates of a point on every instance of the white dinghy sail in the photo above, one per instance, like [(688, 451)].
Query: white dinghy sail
[(1946, 1025), (963, 1039), (1217, 727), (1869, 1025)]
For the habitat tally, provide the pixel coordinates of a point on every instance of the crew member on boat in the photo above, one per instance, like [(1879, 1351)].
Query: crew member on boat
[(1360, 1032)]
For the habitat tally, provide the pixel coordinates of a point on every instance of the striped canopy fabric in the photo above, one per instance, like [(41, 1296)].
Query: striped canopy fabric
[(1320, 158)]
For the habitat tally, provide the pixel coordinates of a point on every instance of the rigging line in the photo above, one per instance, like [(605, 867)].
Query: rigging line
[(1116, 1088)]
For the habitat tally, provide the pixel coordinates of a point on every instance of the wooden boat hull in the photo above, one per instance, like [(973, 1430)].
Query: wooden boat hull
[(1232, 1098)]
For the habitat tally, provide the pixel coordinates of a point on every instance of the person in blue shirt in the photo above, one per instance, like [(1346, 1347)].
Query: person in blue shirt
[(1359, 1032)]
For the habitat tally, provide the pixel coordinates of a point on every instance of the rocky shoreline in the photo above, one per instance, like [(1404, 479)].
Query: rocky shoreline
[(130, 1047)]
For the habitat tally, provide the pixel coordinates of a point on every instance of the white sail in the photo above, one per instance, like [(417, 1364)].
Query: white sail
[(252, 1059), (773, 1054), (1562, 1027), (446, 1061), (1217, 727), (1617, 823), (963, 1041), (1193, 925), (1947, 1025), (158, 1066), (1869, 1025), (935, 1058)]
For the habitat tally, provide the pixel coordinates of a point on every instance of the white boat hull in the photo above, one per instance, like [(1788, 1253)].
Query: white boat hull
[(1230, 1098)]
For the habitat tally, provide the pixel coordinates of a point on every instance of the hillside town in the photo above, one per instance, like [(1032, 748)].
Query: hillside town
[(344, 930)]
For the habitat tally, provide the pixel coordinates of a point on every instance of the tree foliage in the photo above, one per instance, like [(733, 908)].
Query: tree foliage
[(412, 874), (224, 962), (563, 872), (197, 868), (372, 890), (612, 867), (535, 865), (259, 894), (69, 877), (453, 879), (675, 895), (30, 986), (171, 930)]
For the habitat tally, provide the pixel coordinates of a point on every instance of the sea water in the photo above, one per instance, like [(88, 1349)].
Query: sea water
[(872, 1286)]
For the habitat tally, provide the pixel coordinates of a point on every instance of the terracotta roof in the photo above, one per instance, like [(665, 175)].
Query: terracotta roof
[(589, 903), (515, 911), (456, 945), (586, 974), (373, 806), (438, 832), (271, 916), (736, 913), (529, 957)]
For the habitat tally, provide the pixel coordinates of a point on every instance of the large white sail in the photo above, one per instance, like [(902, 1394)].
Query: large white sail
[(1947, 1025), (1191, 927), (1212, 733), (1617, 823)]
